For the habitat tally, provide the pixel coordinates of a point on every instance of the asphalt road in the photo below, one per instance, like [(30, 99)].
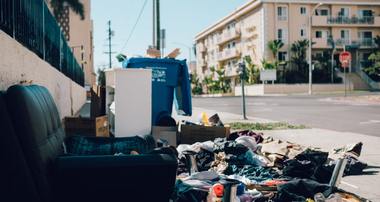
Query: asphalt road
[(313, 111)]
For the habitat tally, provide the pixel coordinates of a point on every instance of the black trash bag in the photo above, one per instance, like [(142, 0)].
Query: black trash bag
[(310, 165), (301, 189), (353, 166)]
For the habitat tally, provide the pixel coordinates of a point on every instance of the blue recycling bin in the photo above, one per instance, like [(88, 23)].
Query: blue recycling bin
[(170, 83)]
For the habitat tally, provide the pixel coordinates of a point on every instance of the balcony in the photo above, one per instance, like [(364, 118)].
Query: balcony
[(341, 21), (201, 48), (359, 43), (228, 35), (228, 54), (343, 42), (364, 43)]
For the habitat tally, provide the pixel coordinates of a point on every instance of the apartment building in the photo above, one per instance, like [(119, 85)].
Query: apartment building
[(79, 35), (247, 31)]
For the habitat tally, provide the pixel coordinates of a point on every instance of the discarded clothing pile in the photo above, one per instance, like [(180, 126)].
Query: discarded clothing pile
[(248, 166)]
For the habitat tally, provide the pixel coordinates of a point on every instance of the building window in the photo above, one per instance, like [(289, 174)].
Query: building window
[(345, 34), (303, 10), (282, 56), (365, 35), (282, 13), (318, 34), (280, 34), (322, 12), (366, 13), (344, 12), (303, 32)]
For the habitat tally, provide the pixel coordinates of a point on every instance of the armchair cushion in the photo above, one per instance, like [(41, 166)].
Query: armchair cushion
[(81, 145), (147, 177)]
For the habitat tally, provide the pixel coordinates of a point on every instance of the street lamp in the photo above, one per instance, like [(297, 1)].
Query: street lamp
[(182, 44), (311, 42)]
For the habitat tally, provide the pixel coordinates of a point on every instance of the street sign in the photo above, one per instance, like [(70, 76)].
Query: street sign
[(345, 58)]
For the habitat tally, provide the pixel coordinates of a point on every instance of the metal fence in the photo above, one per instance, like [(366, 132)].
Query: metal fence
[(351, 20), (31, 23)]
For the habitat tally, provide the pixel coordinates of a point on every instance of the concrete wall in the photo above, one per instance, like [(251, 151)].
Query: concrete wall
[(18, 64), (81, 33), (260, 89)]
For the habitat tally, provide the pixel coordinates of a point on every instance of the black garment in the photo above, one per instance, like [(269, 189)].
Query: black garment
[(254, 173), (301, 189), (353, 166), (229, 147), (309, 164)]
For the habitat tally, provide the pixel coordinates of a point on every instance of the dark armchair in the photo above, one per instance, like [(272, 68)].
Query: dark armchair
[(32, 151)]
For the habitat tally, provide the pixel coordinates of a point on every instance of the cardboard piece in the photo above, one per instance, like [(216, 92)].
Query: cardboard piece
[(174, 53), (166, 133), (102, 126), (191, 134), (85, 126), (154, 53)]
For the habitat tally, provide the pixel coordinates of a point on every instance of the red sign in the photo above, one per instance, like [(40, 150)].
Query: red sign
[(345, 58)]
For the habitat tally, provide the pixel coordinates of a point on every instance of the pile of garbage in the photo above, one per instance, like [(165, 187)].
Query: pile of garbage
[(248, 166)]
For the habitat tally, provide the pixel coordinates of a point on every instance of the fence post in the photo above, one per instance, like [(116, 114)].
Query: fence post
[(43, 30), (13, 20)]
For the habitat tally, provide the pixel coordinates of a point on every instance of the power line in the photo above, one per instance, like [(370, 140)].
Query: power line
[(134, 26)]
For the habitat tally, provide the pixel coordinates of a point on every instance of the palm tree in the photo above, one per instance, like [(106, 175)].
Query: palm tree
[(377, 42), (275, 46), (299, 54), (252, 70), (75, 5)]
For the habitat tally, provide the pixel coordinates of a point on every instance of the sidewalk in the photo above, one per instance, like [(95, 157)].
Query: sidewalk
[(366, 186)]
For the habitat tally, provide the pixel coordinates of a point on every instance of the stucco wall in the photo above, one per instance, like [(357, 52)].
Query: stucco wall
[(18, 64)]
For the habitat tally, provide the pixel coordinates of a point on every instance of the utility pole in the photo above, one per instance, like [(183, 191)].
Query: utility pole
[(110, 34), (243, 74), (158, 27), (154, 24)]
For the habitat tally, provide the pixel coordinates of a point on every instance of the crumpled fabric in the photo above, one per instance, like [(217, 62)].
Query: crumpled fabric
[(203, 158), (248, 158), (301, 189), (247, 141), (220, 164), (229, 147), (253, 173), (186, 193), (257, 136)]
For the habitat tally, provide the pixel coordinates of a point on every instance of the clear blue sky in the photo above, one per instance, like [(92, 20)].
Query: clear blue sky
[(182, 19)]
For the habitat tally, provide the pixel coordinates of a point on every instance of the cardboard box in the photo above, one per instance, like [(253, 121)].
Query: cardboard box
[(102, 127), (167, 133), (191, 134), (85, 126)]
